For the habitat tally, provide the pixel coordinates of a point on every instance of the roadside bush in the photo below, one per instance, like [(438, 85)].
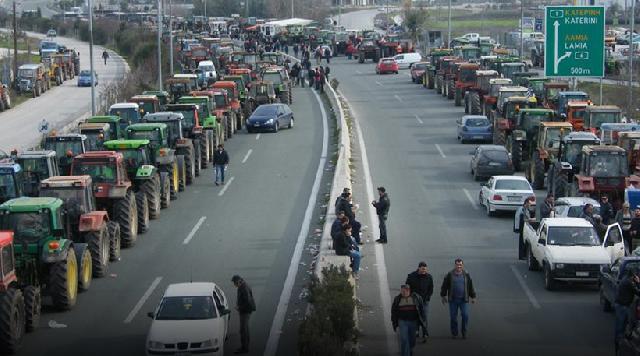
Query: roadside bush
[(330, 324)]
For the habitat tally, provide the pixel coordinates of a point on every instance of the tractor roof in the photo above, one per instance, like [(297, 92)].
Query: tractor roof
[(157, 93), (521, 99), (604, 108), (93, 126), (573, 93), (184, 76), (30, 66), (144, 97), (164, 116), (27, 205), (98, 154), (6, 238), (513, 89), (537, 111), (125, 144), (208, 93), (194, 97), (66, 181), (104, 118), (581, 136), (629, 134), (513, 64), (124, 106), (501, 81), (147, 126), (566, 125), (67, 137), (36, 154), (182, 107), (602, 148), (229, 77), (579, 103), (467, 65), (224, 84), (486, 73)]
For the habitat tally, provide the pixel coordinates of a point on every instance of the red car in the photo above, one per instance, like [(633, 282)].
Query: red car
[(387, 65), (417, 71)]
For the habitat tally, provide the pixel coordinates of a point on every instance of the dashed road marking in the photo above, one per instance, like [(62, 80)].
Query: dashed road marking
[(440, 151), (380, 84), (257, 136), (397, 97), (527, 291), (473, 203), (246, 157), (142, 300), (419, 119), (195, 229), (224, 189)]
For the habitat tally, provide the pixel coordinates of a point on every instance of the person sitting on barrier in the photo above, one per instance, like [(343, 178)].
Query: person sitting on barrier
[(345, 247)]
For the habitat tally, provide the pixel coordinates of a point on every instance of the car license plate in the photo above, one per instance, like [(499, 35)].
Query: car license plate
[(513, 198), (582, 274), (494, 163), (477, 137), (256, 125)]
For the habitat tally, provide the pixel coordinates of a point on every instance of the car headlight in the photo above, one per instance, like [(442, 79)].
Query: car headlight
[(210, 343), (270, 121), (155, 345), (559, 265)]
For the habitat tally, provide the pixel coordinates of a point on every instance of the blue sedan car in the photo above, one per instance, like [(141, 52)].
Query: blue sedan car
[(270, 117), (84, 79), (474, 128)]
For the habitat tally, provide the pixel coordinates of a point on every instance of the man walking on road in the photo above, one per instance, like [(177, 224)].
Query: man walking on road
[(406, 317), (105, 56), (382, 210), (245, 305), (220, 161), (421, 283), (457, 290)]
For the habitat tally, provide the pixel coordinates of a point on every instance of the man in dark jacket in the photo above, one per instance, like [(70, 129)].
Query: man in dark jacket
[(547, 207), (407, 316), (421, 283), (587, 214), (336, 227), (345, 247), (457, 290), (628, 288), (382, 210), (220, 162), (606, 210), (245, 305)]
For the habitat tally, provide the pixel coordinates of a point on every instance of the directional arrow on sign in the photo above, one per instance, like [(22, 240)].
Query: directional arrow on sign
[(557, 59)]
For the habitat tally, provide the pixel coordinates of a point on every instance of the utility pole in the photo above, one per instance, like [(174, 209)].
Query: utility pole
[(291, 8), (449, 27), (521, 29), (631, 50), (93, 87), (206, 20), (15, 43), (170, 37), (159, 44)]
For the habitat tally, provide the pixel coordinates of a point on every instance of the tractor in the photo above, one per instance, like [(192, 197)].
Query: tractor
[(147, 103), (468, 53), (465, 78), (147, 179), (129, 113), (449, 76), (32, 79), (163, 97), (200, 122), (96, 133), (281, 84), (186, 147), (179, 87), (66, 147), (213, 124), (117, 125), (476, 92), (45, 255), (262, 92), (604, 169), (596, 115), (630, 141), (566, 97), (165, 158), (551, 91), (546, 149), (504, 110), (224, 114), (85, 223), (536, 85), (509, 70), (523, 78), (575, 113), (242, 93), (561, 172), (368, 49), (434, 64), (520, 128), (114, 193), (234, 99), (445, 63), (36, 166), (11, 180), (490, 98)]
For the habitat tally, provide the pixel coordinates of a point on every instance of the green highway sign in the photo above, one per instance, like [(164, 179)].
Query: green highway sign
[(574, 41)]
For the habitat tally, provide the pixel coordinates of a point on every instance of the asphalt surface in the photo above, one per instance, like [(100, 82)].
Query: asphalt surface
[(59, 105), (251, 227), (410, 139)]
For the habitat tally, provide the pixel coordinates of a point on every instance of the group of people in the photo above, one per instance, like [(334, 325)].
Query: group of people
[(410, 308), (316, 77), (345, 230)]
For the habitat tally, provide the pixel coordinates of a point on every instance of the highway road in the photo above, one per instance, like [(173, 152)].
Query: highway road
[(60, 105), (409, 139), (249, 227)]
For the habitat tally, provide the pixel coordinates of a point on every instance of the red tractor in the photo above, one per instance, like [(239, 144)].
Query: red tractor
[(603, 170), (234, 98), (224, 113), (475, 94), (465, 78)]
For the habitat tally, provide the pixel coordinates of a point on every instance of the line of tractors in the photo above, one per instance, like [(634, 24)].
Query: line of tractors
[(55, 68), (557, 136), (69, 206)]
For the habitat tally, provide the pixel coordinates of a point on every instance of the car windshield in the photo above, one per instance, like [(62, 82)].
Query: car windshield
[(100, 172), (512, 184), (573, 236), (272, 77), (7, 185), (496, 156), (608, 165), (576, 211), (130, 115), (64, 147), (27, 227), (25, 73), (85, 73), (599, 118), (476, 122), (151, 135), (186, 308), (266, 110)]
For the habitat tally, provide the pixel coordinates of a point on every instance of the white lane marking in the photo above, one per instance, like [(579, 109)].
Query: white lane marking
[(246, 157), (142, 300), (194, 230), (381, 266), (397, 97), (440, 151), (285, 296), (527, 291), (419, 119), (257, 136), (380, 84), (226, 185), (473, 203), (358, 72)]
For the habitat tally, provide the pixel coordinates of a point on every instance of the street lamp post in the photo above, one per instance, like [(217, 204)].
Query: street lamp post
[(170, 37), (93, 87), (449, 27), (159, 44), (631, 50), (521, 29)]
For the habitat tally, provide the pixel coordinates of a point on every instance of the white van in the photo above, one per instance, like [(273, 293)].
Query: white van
[(208, 69), (405, 60)]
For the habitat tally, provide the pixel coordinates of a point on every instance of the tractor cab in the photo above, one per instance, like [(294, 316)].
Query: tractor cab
[(609, 131), (179, 87), (129, 113), (604, 169), (7, 261), (66, 147), (174, 122), (566, 97), (11, 178), (552, 91), (522, 78), (163, 97), (147, 104), (596, 115), (117, 125), (509, 70), (263, 92), (77, 194), (569, 161), (156, 133), (96, 134), (506, 92), (630, 141), (496, 84), (544, 149), (136, 154), (36, 166), (191, 113), (575, 114), (536, 85)]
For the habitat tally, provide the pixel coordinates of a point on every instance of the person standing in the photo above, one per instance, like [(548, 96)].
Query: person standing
[(327, 70), (548, 207), (321, 79), (406, 317), (634, 230), (312, 76), (421, 283), (606, 210), (220, 162), (105, 56), (327, 55), (526, 216), (245, 305), (623, 218), (628, 288), (382, 210), (295, 50), (457, 290), (587, 214)]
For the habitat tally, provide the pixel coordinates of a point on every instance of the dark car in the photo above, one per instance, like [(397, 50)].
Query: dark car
[(84, 79), (629, 343), (270, 117), (611, 277), (490, 160)]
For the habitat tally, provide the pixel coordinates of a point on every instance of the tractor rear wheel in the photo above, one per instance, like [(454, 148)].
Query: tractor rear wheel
[(451, 90), (458, 97), (12, 320), (142, 204), (197, 151), (85, 269), (114, 240), (63, 282), (189, 160), (474, 104), (165, 195), (174, 180), (430, 81), (499, 137), (126, 214), (537, 173), (151, 189), (99, 247), (32, 307), (560, 185), (516, 154), (182, 172)]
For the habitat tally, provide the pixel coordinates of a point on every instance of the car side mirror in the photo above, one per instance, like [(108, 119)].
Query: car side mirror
[(542, 242), (225, 312), (151, 315)]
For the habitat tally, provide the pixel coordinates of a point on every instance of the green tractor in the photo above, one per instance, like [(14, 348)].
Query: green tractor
[(544, 151), (146, 178), (117, 125), (36, 166), (166, 160), (201, 124), (434, 64), (45, 255), (522, 133)]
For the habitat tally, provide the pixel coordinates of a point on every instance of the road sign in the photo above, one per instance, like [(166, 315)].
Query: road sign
[(574, 43), (528, 24), (538, 26)]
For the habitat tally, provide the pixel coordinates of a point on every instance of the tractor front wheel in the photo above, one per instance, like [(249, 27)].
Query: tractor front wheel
[(165, 195), (474, 103), (99, 247), (174, 181), (114, 240), (516, 154), (537, 173), (451, 90), (32, 307), (85, 269), (182, 172), (458, 97), (63, 282), (126, 214), (151, 188), (142, 204), (190, 168), (12, 320)]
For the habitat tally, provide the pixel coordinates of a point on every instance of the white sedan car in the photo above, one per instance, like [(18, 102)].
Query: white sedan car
[(505, 193), (192, 318)]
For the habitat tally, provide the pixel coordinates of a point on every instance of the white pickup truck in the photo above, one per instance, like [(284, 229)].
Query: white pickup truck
[(569, 249)]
